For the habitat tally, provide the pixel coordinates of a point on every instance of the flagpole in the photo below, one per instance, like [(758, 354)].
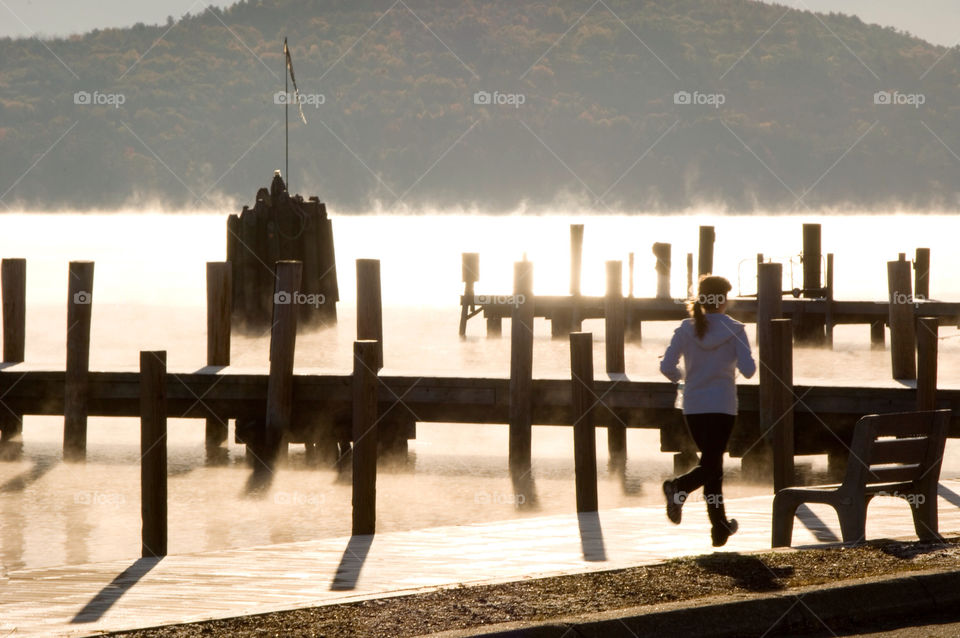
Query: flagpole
[(286, 117)]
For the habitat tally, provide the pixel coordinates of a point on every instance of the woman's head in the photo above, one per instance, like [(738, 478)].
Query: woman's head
[(711, 296)]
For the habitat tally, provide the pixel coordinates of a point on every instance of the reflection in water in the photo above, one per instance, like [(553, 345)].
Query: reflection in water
[(11, 535)]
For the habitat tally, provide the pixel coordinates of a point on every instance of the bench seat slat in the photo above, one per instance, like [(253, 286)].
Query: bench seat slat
[(894, 473)]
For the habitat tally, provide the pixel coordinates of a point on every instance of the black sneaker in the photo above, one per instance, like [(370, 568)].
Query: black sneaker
[(674, 502), (721, 534)]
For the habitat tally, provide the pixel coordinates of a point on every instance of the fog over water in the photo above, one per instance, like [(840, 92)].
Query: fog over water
[(149, 293)]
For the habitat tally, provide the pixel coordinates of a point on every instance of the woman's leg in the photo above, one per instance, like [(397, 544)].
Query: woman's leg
[(698, 425), (712, 441)]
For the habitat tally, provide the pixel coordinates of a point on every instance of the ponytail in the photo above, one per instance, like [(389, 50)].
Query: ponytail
[(699, 319), (712, 291)]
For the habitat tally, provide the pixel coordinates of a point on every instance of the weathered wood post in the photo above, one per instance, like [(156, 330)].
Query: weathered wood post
[(13, 283), (927, 345), (756, 461), (921, 267), (219, 310), (707, 238), (630, 271), (828, 312), (521, 368), (776, 401), (584, 435), (283, 342), (690, 289), (810, 328), (233, 253), (576, 257), (153, 453), (903, 337), (369, 305), (250, 266), (566, 321), (79, 307), (365, 436), (878, 334), (470, 274), (614, 338), (662, 252)]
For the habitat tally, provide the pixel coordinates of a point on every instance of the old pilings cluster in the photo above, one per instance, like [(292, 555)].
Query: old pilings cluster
[(282, 227)]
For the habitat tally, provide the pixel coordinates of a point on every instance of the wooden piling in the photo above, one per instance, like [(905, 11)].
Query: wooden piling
[(219, 309), (79, 307), (584, 435), (369, 305), (153, 453), (13, 283), (521, 368), (828, 314), (494, 326), (630, 278), (921, 267), (903, 338), (576, 268), (662, 253), (878, 335), (233, 252), (250, 265), (615, 363), (365, 436), (614, 317), (690, 288), (810, 328), (283, 340), (707, 238), (470, 274), (769, 303), (927, 346), (776, 400)]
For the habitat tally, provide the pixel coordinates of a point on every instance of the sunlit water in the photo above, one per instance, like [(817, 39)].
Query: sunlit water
[(149, 295)]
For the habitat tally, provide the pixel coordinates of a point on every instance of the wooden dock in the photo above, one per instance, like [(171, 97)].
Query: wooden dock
[(79, 600)]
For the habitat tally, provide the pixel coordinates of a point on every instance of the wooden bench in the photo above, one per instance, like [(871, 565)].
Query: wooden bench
[(892, 454)]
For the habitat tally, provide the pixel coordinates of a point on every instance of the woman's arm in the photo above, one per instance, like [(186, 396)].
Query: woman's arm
[(671, 358), (745, 362)]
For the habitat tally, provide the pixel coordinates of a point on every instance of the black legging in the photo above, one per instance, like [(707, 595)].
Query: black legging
[(711, 433)]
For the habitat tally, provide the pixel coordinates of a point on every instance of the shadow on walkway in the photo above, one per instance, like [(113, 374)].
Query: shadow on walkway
[(109, 595), (748, 572), (591, 536), (816, 525), (354, 556)]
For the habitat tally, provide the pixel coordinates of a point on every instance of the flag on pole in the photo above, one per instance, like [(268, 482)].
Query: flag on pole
[(296, 91)]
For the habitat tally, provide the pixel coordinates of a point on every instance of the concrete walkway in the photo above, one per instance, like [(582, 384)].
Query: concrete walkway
[(86, 599)]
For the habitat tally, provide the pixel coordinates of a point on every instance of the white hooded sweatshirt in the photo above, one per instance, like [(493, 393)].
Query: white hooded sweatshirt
[(710, 363)]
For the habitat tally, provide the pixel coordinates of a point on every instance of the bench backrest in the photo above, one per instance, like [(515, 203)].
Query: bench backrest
[(897, 448)]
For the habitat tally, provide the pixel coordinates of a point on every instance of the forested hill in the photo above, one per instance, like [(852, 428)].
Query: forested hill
[(632, 105)]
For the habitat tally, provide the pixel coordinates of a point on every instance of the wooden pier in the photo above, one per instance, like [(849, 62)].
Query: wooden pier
[(812, 307)]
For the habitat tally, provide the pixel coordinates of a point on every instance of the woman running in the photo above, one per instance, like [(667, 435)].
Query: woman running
[(713, 347)]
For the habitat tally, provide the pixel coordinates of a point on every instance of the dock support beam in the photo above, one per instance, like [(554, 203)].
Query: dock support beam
[(13, 283), (927, 345), (470, 274), (219, 310), (903, 337), (921, 267), (614, 338), (810, 328), (756, 461), (153, 453), (776, 401), (283, 343), (584, 435), (521, 369), (365, 436), (79, 312), (707, 238)]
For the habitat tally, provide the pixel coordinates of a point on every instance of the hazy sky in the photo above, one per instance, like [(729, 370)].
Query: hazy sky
[(933, 20)]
